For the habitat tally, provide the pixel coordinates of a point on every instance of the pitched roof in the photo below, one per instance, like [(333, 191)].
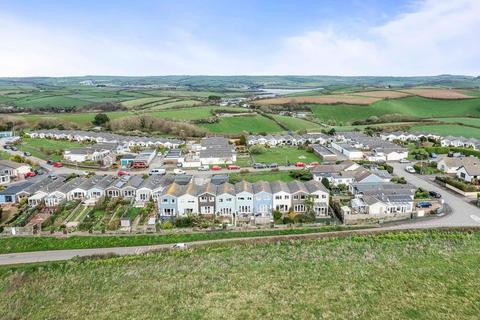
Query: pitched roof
[(279, 186), (261, 186)]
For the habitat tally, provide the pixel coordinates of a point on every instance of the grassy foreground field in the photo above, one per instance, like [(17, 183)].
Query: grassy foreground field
[(27, 244), (286, 154), (422, 275)]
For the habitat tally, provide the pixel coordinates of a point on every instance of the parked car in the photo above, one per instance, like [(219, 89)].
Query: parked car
[(53, 176), (424, 204), (314, 164), (179, 171), (273, 165), (433, 155), (216, 168), (204, 168), (30, 174), (50, 162), (233, 167), (159, 171), (179, 165), (300, 164), (27, 154), (259, 166), (410, 169), (139, 165), (57, 164), (404, 161), (39, 172), (14, 148), (122, 173), (6, 147), (435, 194)]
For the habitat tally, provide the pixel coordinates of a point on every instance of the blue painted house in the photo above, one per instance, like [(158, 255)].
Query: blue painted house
[(14, 193), (167, 201), (262, 199)]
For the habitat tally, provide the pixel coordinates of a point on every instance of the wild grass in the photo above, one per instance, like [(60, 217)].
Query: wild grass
[(421, 275)]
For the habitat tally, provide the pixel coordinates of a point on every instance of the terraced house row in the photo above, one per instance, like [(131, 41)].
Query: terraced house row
[(244, 199), (105, 137), (177, 196)]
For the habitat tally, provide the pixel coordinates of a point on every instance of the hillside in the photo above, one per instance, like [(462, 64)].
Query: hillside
[(422, 275)]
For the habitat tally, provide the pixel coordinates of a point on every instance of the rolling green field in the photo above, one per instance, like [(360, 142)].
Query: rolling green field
[(235, 125), (295, 124), (285, 154), (467, 121), (448, 130), (421, 275), (41, 148), (81, 119), (410, 106)]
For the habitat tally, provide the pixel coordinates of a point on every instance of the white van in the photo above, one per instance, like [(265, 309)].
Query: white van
[(157, 171)]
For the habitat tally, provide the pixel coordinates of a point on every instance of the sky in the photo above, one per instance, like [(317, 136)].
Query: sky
[(248, 37)]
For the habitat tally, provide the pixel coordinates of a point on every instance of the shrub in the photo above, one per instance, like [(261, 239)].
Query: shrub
[(166, 225), (257, 149)]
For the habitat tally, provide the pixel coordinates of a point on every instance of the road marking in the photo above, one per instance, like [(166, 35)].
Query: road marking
[(475, 218)]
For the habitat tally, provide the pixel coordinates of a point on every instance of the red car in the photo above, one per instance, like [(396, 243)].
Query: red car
[(216, 168), (300, 164), (233, 167), (30, 174), (122, 173), (57, 164)]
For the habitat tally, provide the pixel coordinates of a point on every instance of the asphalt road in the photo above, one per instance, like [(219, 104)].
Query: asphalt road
[(463, 213)]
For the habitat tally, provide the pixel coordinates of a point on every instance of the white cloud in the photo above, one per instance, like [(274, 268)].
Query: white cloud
[(436, 37)]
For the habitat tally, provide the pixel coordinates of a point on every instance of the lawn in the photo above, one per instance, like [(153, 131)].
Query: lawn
[(421, 275), (295, 124), (193, 113), (263, 176), (448, 130), (284, 155), (410, 106), (27, 244), (47, 149), (236, 125)]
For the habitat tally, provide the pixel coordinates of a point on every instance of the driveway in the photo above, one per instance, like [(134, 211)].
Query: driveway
[(463, 213)]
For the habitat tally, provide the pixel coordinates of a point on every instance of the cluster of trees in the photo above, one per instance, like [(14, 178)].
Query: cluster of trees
[(302, 175), (387, 118), (96, 106), (52, 123), (151, 124), (9, 122)]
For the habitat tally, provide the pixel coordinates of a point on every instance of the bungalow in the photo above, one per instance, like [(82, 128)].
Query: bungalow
[(129, 189), (49, 185), (14, 193), (281, 199), (59, 195), (244, 198), (324, 153), (452, 164), (348, 150), (96, 153), (469, 172), (97, 190), (216, 150), (14, 169), (263, 198), (225, 199), (145, 189)]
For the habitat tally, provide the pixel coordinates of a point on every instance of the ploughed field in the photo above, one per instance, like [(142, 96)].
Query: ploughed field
[(420, 275)]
